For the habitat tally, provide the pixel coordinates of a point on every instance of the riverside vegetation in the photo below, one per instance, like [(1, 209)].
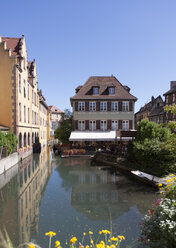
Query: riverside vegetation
[(159, 226), (9, 141), (154, 149)]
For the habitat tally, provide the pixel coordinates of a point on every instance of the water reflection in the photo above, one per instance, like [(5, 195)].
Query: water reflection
[(96, 191), (69, 199), (20, 198), (102, 196)]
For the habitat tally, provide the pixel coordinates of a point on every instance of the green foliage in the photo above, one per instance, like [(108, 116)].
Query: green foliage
[(64, 130), (2, 139), (11, 142), (159, 227), (150, 130), (8, 140), (154, 149), (171, 108)]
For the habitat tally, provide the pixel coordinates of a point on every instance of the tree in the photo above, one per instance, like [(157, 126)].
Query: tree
[(171, 108), (64, 130)]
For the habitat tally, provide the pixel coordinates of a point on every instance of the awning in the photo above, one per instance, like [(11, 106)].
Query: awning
[(93, 136)]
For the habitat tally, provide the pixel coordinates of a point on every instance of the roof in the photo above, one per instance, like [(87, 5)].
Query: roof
[(4, 128), (173, 90), (55, 109), (148, 106), (157, 111), (13, 44), (103, 82)]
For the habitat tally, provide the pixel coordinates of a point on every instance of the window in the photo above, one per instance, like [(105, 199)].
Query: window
[(166, 99), (81, 106), (35, 99), (28, 116), (114, 125), (19, 111), (19, 83), (92, 106), (125, 125), (81, 125), (103, 125), (32, 96), (125, 106), (92, 125), (114, 106), (103, 106), (111, 91), (24, 89), (95, 90), (24, 113), (173, 98), (28, 92)]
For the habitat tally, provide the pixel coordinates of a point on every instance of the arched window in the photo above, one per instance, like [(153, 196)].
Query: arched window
[(25, 139), (32, 138), (20, 140), (24, 88), (29, 139), (20, 83)]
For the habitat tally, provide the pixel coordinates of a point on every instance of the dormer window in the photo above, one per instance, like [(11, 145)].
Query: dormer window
[(111, 90), (95, 90)]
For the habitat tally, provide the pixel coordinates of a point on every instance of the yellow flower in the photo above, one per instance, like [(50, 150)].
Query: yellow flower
[(100, 232), (102, 242), (106, 232), (87, 246), (84, 233), (90, 232), (31, 246), (160, 185), (121, 237), (171, 175), (114, 239), (50, 234), (91, 241), (73, 240), (57, 243)]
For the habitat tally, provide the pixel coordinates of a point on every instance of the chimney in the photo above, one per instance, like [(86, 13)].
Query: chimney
[(152, 98), (172, 84)]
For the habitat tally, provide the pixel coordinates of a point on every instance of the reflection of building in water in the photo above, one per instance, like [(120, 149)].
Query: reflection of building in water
[(9, 203), (95, 193), (33, 176), (99, 193)]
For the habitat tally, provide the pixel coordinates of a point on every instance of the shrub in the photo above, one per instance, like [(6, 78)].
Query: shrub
[(159, 227), (154, 149)]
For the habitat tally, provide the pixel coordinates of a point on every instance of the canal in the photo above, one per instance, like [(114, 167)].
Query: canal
[(69, 197)]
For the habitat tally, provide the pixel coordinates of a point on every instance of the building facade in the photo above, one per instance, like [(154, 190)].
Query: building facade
[(152, 111), (170, 98), (102, 105), (19, 94), (55, 118)]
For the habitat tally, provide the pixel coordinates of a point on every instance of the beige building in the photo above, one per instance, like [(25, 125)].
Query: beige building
[(101, 107), (19, 94), (55, 118)]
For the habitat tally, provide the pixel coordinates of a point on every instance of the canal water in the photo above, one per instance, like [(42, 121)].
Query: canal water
[(69, 197)]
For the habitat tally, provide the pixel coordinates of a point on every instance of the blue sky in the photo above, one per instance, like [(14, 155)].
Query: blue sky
[(135, 40)]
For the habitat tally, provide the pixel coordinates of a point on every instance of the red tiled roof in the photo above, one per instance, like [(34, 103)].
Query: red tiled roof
[(55, 109), (12, 44), (121, 92)]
